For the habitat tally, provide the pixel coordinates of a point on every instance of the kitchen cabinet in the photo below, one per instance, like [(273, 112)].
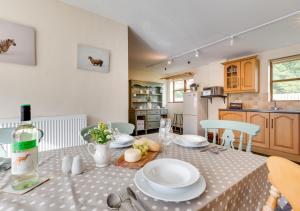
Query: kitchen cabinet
[(279, 131), (241, 75), (233, 116), (232, 77), (284, 132), (262, 120)]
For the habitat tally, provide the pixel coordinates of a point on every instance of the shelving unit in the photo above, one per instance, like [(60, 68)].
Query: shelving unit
[(214, 96), (145, 94), (145, 101)]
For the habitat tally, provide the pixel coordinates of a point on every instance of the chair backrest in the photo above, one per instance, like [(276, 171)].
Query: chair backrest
[(6, 135), (123, 127), (84, 133), (228, 135), (284, 178), (5, 138)]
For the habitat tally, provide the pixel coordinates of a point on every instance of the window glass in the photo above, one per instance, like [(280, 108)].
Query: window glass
[(285, 78), (177, 89), (286, 70), (178, 85), (286, 90), (171, 91), (178, 96)]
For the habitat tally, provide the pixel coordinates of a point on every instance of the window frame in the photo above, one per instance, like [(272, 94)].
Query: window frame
[(185, 89), (281, 60)]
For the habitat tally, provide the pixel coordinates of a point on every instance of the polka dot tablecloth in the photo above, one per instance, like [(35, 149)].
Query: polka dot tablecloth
[(235, 181)]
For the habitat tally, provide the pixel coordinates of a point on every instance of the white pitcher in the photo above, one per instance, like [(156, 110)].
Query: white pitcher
[(101, 155)]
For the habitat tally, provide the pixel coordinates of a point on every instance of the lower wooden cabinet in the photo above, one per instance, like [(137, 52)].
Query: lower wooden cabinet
[(234, 116), (284, 132), (261, 119), (279, 132)]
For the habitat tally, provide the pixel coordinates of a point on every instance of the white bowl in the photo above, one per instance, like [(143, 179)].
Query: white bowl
[(175, 195), (170, 173), (193, 139)]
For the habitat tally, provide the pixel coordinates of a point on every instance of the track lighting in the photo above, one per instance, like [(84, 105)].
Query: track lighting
[(231, 40)]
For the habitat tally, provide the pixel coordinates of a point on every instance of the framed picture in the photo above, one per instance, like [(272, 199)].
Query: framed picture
[(17, 43), (90, 58)]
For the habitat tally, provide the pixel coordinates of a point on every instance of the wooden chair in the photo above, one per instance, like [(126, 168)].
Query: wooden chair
[(123, 127), (284, 176), (5, 138), (228, 135), (177, 123)]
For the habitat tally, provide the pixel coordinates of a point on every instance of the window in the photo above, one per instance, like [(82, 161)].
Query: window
[(177, 88), (285, 78)]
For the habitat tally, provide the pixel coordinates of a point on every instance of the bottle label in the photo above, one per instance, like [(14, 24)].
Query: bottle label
[(24, 145), (24, 157)]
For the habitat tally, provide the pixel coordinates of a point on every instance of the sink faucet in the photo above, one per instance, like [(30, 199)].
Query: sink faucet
[(275, 108)]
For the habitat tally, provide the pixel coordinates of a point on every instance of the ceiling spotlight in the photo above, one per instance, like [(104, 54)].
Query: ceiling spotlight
[(197, 54), (169, 61), (189, 62), (165, 68)]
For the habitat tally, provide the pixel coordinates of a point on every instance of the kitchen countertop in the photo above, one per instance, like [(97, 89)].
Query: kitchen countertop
[(263, 110), (146, 109)]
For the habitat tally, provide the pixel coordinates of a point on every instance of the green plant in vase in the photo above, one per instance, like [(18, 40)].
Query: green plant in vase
[(101, 135)]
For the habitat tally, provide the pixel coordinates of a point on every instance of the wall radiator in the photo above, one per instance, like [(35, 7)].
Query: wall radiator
[(59, 131)]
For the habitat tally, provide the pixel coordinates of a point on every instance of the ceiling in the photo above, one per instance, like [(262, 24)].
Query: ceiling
[(160, 29)]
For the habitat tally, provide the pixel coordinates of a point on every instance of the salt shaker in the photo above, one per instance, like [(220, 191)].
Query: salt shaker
[(66, 164), (76, 165)]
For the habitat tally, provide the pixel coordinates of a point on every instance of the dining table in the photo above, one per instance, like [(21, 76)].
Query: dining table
[(235, 180)]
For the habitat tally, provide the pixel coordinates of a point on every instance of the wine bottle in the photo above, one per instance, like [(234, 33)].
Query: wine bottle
[(24, 157)]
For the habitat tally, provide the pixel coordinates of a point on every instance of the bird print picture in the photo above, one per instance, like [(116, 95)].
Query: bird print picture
[(91, 58), (17, 43)]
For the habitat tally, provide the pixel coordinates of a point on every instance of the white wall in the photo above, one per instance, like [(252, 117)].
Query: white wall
[(55, 86), (211, 75)]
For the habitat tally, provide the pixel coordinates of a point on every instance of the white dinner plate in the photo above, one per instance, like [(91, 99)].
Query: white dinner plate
[(115, 145), (170, 173), (171, 195), (191, 141), (123, 139)]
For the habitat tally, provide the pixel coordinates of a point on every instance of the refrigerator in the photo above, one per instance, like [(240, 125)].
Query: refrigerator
[(195, 109)]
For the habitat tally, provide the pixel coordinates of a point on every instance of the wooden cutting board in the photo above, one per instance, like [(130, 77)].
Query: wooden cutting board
[(136, 165)]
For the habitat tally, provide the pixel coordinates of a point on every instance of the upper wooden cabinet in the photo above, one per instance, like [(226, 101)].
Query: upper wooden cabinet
[(232, 77), (284, 132), (241, 75)]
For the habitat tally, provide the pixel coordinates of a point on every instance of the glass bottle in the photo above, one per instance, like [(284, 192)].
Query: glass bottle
[(24, 158)]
